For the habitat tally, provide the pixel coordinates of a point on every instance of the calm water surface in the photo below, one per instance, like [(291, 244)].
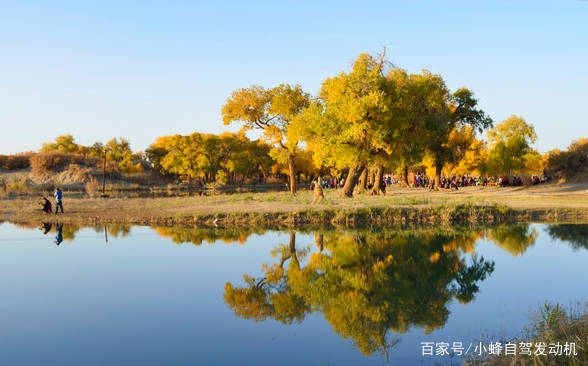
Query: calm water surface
[(188, 296)]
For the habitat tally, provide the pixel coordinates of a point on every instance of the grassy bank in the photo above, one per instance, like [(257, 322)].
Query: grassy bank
[(399, 206), (551, 324)]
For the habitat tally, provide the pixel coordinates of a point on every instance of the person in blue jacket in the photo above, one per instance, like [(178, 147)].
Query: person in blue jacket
[(58, 196), (59, 236)]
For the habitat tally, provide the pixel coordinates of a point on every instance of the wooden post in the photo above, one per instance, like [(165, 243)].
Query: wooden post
[(104, 173)]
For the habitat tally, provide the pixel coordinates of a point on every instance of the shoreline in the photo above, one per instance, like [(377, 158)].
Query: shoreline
[(459, 215), (279, 209)]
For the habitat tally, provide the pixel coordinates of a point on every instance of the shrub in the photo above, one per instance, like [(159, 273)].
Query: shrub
[(55, 161), (221, 177), (75, 173), (147, 178), (551, 324), (16, 161), (92, 187), (128, 167), (566, 164), (17, 186)]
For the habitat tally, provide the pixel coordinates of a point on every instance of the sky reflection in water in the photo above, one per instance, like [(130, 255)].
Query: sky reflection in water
[(244, 297)]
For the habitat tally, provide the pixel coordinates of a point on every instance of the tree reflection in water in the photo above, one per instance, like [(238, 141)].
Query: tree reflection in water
[(197, 235), (514, 238), (67, 232), (367, 285), (370, 285), (576, 235)]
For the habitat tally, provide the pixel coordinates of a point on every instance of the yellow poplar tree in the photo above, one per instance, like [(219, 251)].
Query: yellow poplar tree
[(270, 111)]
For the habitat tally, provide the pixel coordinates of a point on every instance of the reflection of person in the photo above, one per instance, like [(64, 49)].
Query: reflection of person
[(46, 227), (58, 196), (59, 236), (46, 204)]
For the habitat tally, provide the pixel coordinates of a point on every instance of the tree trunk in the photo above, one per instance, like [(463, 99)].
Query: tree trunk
[(292, 172), (318, 241), (362, 182), (377, 188), (293, 249), (405, 174), (347, 190), (318, 191), (438, 168), (104, 174)]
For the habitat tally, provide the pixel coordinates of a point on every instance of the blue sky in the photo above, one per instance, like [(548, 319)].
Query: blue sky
[(142, 69)]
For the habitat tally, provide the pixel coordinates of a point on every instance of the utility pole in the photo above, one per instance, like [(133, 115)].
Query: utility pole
[(104, 173)]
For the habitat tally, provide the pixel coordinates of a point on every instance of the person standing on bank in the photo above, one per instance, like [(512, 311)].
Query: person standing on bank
[(58, 196)]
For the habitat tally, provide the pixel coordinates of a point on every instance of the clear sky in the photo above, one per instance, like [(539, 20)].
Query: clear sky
[(142, 69)]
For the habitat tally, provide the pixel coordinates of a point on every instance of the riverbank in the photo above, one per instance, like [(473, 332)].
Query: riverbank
[(566, 202)]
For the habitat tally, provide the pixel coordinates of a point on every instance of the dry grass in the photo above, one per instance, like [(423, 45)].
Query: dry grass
[(15, 161), (91, 187), (551, 324), (55, 161), (567, 202)]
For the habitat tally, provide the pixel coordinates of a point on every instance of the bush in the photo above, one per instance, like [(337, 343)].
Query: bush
[(16, 161), (567, 164), (75, 173), (56, 161), (551, 324), (148, 178), (20, 186), (128, 167), (92, 187), (221, 177)]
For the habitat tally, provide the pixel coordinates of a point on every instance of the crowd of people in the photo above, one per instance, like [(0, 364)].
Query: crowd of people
[(457, 181), (447, 182), (328, 183)]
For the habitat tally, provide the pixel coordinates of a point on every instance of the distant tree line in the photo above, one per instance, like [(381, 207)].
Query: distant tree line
[(371, 120)]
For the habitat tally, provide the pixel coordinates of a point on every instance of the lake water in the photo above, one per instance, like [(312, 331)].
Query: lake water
[(190, 296)]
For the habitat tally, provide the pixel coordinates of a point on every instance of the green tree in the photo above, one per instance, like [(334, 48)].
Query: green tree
[(407, 146), (214, 157), (96, 150), (510, 146), (64, 143), (270, 111), (157, 151), (119, 150), (448, 112), (249, 159), (182, 157), (348, 126)]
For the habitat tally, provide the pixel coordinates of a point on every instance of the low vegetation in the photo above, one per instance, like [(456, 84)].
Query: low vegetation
[(572, 163), (551, 324), (399, 205), (16, 161)]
